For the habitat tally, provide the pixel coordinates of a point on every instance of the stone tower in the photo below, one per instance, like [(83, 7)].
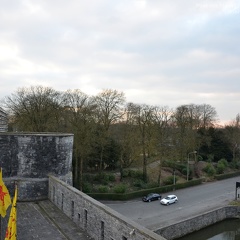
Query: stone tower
[(28, 158)]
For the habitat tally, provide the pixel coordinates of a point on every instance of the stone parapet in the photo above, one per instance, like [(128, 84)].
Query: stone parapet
[(98, 220), (196, 223)]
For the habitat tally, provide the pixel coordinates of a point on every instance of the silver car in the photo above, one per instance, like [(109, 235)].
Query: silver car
[(169, 200)]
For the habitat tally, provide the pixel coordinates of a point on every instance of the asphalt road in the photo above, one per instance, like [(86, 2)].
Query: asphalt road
[(192, 201)]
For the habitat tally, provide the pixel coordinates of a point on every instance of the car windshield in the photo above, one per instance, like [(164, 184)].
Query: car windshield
[(167, 198), (150, 194)]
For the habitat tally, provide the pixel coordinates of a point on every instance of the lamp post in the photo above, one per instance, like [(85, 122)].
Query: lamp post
[(188, 163), (174, 179)]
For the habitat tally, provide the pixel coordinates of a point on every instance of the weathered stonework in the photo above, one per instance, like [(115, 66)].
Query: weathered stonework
[(40, 164), (100, 221), (28, 158), (198, 222)]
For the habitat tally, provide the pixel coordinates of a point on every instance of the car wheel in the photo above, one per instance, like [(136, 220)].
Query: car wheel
[(149, 200), (159, 198), (167, 203), (175, 201)]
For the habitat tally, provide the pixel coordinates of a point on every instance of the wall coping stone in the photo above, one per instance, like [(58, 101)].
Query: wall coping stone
[(106, 211), (36, 134)]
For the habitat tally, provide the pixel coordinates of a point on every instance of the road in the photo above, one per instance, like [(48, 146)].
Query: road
[(192, 201)]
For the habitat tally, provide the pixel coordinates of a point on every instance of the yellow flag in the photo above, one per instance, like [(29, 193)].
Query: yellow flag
[(11, 233), (5, 199)]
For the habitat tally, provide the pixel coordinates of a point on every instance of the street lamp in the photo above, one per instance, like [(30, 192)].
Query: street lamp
[(188, 163)]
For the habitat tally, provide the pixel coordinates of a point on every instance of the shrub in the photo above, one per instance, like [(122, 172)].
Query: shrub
[(199, 158), (209, 169), (139, 184), (169, 180), (135, 174), (224, 162), (184, 171), (235, 164), (102, 189), (88, 177), (125, 173), (104, 178), (111, 177), (99, 177), (152, 185), (120, 188), (220, 167), (87, 187)]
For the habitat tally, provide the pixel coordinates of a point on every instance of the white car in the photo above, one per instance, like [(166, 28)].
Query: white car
[(169, 200)]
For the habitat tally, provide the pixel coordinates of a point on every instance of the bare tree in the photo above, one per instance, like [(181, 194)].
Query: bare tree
[(110, 110), (162, 117), (188, 119), (208, 115), (79, 117), (36, 108), (128, 138), (233, 134), (182, 132), (143, 116)]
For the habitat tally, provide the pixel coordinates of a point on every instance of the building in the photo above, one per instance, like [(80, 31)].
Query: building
[(3, 121)]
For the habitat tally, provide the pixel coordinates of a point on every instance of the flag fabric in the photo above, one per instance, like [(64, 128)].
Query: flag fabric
[(11, 233), (5, 199)]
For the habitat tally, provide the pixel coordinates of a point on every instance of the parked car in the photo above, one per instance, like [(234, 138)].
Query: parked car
[(151, 197), (169, 200)]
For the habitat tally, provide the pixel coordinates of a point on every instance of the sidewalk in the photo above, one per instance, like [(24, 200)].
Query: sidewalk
[(44, 221)]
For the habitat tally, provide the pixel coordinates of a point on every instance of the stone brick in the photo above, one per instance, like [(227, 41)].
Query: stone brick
[(28, 158)]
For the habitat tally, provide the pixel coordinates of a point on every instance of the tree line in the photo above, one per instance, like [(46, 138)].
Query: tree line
[(111, 133)]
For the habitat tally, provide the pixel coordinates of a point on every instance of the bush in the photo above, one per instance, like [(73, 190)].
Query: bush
[(224, 162), (169, 180), (181, 167), (88, 177), (235, 164), (199, 158), (120, 188), (210, 170), (227, 175), (99, 177), (111, 177), (87, 187), (139, 184), (135, 174), (184, 171), (220, 167), (104, 178), (152, 185), (102, 189), (125, 173)]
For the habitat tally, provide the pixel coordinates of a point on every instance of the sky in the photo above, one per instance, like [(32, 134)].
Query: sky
[(157, 52)]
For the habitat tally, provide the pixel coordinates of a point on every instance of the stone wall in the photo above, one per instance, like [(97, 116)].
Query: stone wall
[(27, 159), (100, 221), (194, 224)]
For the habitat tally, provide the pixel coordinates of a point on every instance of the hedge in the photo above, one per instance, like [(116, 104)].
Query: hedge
[(226, 175), (141, 193)]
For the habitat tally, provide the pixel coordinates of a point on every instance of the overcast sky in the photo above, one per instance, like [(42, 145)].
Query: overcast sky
[(157, 52)]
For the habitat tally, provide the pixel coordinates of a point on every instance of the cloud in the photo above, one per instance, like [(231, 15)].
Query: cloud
[(156, 52)]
